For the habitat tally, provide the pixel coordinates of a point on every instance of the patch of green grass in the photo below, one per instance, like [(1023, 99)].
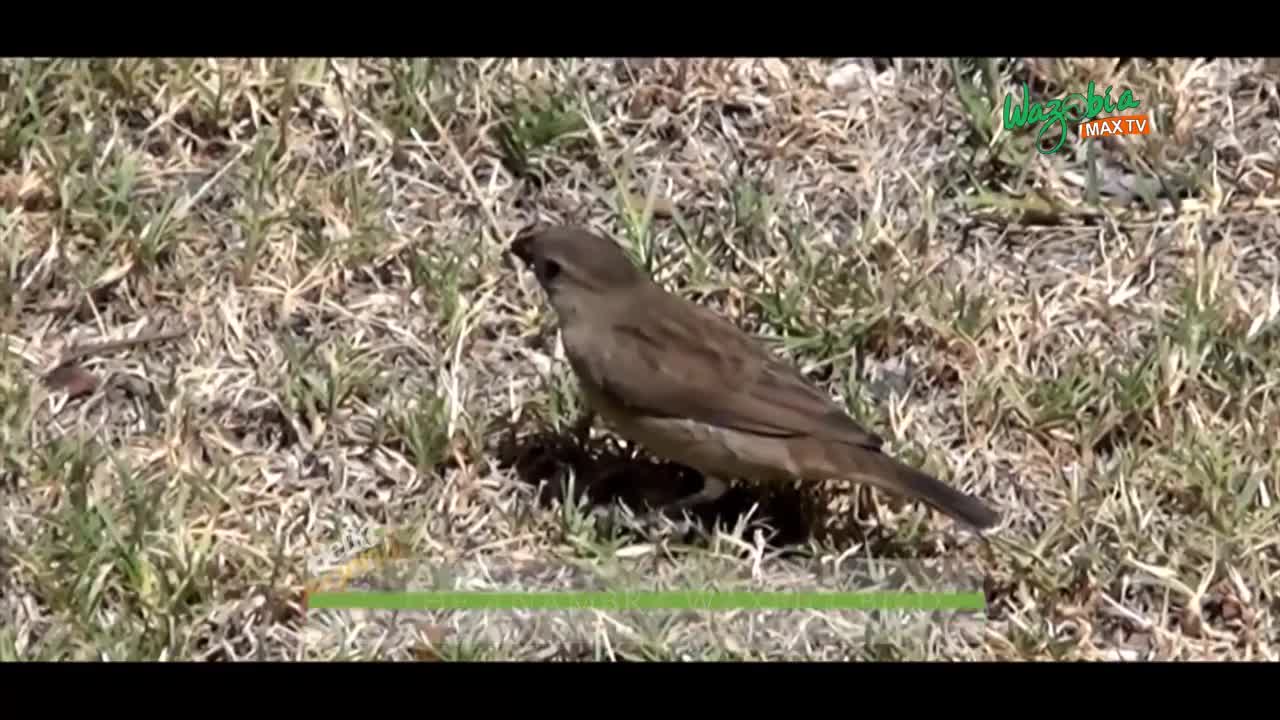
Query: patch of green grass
[(98, 559), (423, 429), (322, 381), (535, 125)]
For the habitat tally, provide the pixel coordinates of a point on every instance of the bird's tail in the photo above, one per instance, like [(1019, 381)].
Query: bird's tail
[(876, 468)]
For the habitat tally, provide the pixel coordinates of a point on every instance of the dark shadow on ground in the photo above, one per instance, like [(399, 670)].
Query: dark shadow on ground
[(608, 475)]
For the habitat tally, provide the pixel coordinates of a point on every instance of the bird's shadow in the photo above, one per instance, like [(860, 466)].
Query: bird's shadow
[(606, 476)]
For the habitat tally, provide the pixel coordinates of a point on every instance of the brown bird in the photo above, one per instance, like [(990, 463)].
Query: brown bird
[(690, 386)]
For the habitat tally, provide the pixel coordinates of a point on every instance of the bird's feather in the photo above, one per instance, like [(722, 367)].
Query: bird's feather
[(688, 362)]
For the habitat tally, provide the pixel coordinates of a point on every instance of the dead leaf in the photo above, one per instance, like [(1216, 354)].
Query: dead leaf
[(72, 378)]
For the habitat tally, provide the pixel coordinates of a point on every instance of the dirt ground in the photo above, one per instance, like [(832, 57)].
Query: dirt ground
[(332, 358)]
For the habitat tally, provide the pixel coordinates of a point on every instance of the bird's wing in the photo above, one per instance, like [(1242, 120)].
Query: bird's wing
[(674, 358)]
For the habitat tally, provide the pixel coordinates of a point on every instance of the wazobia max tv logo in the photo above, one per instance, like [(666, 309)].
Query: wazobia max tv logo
[(1083, 108)]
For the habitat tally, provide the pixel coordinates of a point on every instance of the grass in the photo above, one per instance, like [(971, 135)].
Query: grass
[(1090, 341)]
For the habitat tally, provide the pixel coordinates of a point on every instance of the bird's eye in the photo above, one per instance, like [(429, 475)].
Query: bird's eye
[(550, 270)]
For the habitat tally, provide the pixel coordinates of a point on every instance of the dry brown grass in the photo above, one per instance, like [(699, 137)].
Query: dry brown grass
[(1088, 340)]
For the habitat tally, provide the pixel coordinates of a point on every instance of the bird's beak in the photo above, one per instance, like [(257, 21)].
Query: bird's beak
[(522, 248)]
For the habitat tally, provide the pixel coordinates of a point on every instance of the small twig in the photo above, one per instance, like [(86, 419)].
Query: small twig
[(82, 351)]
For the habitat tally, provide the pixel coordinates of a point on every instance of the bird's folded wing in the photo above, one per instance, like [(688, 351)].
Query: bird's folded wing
[(687, 362)]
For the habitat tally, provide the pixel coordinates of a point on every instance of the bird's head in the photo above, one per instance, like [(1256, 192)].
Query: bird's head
[(576, 267)]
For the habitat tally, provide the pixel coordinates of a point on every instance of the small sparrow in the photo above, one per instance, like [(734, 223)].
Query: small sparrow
[(690, 386)]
